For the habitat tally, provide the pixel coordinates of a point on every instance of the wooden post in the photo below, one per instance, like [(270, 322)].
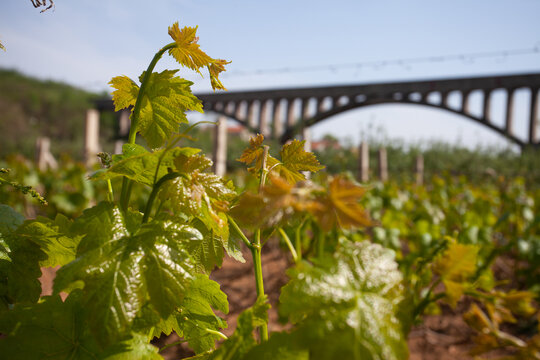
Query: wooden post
[(45, 160), (220, 147), (363, 162), (91, 139), (419, 170), (383, 165)]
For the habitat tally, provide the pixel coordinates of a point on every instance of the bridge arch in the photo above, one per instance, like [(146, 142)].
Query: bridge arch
[(352, 105)]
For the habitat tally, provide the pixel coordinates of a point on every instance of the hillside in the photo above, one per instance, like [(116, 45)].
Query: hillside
[(30, 107)]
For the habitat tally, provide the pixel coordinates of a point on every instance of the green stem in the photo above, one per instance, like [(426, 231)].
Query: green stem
[(259, 284), (427, 299), (298, 239), (256, 248), (215, 332), (239, 232), (289, 244), (126, 184), (171, 345), (155, 191), (144, 84), (109, 187), (210, 331)]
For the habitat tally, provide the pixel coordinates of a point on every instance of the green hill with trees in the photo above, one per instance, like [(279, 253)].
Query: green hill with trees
[(30, 107)]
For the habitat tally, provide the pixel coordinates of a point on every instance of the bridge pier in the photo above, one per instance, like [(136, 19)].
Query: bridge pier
[(533, 116), (220, 147)]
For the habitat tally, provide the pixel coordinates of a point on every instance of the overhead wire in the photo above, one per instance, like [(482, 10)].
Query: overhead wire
[(465, 57)]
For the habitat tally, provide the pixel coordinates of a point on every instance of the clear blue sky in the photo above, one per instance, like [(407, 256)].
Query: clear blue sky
[(86, 42)]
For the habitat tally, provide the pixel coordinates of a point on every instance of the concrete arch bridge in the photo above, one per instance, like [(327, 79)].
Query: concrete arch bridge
[(286, 113)]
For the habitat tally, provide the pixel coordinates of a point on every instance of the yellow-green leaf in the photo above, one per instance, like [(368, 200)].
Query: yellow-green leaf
[(295, 159), (163, 106), (253, 153), (457, 263), (454, 292), (215, 68), (188, 52), (126, 92)]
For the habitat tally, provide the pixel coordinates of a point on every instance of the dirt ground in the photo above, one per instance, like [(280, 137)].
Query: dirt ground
[(443, 337)]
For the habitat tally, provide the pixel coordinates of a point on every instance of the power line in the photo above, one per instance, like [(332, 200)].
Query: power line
[(465, 57)]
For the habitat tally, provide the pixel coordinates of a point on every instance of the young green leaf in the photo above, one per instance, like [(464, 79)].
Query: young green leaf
[(242, 340), (208, 251), (294, 160), (187, 52), (9, 220), (455, 266), (53, 237), (50, 329), (149, 265), (53, 329), (353, 299), (163, 106), (253, 155), (138, 164), (215, 68), (126, 92), (197, 316), (19, 272), (203, 195)]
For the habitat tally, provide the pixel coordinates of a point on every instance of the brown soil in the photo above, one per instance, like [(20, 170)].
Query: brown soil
[(441, 337)]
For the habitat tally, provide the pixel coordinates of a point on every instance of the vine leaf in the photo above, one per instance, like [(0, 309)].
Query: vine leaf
[(455, 266), (204, 196), (19, 262), (340, 205), (277, 202), (54, 329), (215, 68), (163, 103), (163, 106), (126, 92), (208, 251), (120, 274), (242, 340), (294, 160), (187, 52), (352, 298), (10, 220), (197, 314), (49, 327), (138, 164), (253, 155), (53, 237)]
